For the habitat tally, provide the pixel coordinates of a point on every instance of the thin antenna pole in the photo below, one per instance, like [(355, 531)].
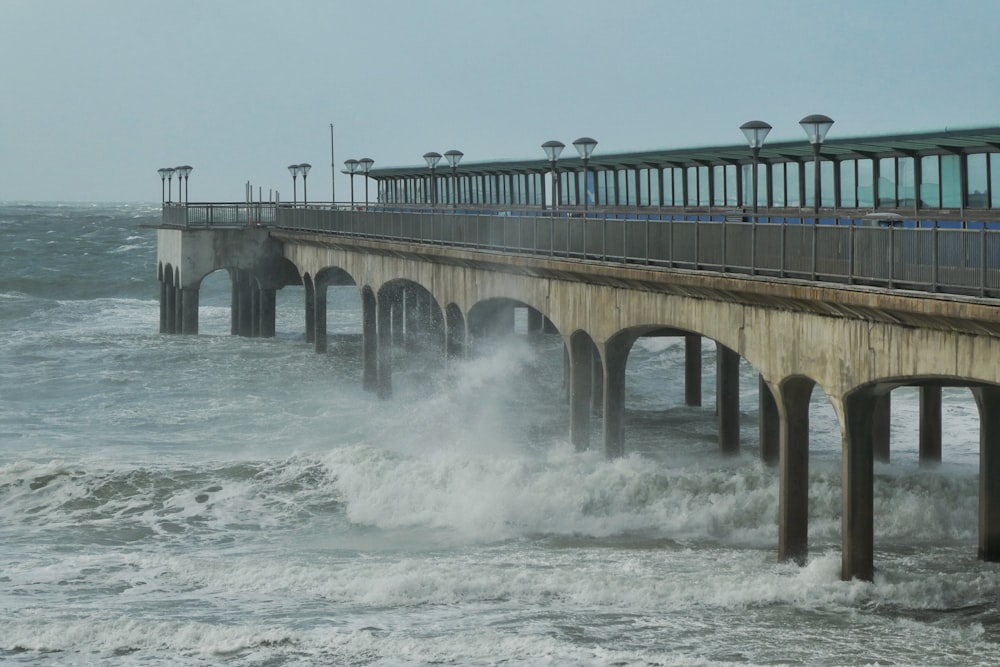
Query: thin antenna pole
[(333, 173)]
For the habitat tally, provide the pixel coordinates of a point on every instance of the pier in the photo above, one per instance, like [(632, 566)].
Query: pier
[(854, 299)]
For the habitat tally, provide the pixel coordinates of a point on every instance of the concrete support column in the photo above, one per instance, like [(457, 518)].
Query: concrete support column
[(310, 304), (369, 342), (163, 308), (456, 335), (412, 316), (728, 398), (384, 349), (692, 370), (536, 321), (245, 303), (858, 503), (597, 383), (319, 318), (930, 425), (396, 317), (234, 302), (615, 359), (178, 309), (268, 307), (881, 422), (770, 424), (189, 311), (581, 375), (988, 399), (793, 470), (171, 309), (254, 309)]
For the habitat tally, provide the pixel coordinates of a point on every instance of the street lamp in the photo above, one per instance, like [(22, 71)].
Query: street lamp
[(432, 159), (453, 157), (585, 147), (552, 150), (293, 169), (816, 127), (165, 173), (366, 166), (352, 168), (755, 131), (183, 172), (304, 170)]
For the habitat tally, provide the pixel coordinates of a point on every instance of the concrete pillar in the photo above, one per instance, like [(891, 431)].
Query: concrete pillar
[(930, 425), (692, 370), (988, 399), (171, 309), (384, 348), (163, 307), (234, 302), (857, 492), (615, 359), (728, 398), (397, 308), (189, 311), (881, 422), (455, 332), (178, 309), (581, 375), (770, 424), (245, 303), (412, 316), (307, 282), (369, 342), (793, 470), (268, 307), (319, 319), (536, 321), (597, 383), (254, 309)]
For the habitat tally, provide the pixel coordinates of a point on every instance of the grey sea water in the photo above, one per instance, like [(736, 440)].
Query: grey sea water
[(213, 500)]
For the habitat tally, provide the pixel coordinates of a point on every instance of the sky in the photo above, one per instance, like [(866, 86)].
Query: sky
[(96, 95)]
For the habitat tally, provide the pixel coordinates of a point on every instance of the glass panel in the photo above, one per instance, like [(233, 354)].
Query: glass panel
[(866, 190), (692, 186), (621, 190), (566, 194), (995, 180), (905, 192), (807, 175), (761, 185), (778, 180), (848, 188), (951, 182), (887, 182), (654, 187), (667, 196), (633, 189), (719, 176), (975, 189), (704, 192), (792, 184), (930, 182), (679, 186), (746, 181), (643, 187)]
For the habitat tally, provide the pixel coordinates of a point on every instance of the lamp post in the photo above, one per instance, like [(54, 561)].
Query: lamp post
[(454, 157), (816, 127), (755, 131), (585, 147), (293, 169), (552, 150), (366, 166), (164, 172), (351, 169), (304, 170), (183, 172), (432, 159)]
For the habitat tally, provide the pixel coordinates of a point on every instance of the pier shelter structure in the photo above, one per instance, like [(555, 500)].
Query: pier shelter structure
[(857, 307)]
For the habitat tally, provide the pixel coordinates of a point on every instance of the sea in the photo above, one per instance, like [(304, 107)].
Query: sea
[(218, 500)]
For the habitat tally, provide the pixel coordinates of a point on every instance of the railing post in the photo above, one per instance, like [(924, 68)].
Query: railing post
[(815, 229), (724, 244), (781, 266), (982, 259), (892, 254)]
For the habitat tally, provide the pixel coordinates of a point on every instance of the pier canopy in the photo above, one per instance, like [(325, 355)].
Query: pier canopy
[(945, 171)]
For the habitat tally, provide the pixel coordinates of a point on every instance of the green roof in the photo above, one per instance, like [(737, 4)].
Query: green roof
[(969, 140)]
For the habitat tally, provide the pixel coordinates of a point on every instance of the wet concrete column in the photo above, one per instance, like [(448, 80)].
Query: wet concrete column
[(268, 299), (234, 303), (369, 342), (881, 422), (163, 307), (412, 317), (397, 316), (793, 470), (692, 370), (384, 326), (245, 303), (858, 502), (988, 399), (189, 311), (254, 309), (770, 424), (536, 321), (615, 358), (310, 304), (581, 374), (597, 383), (319, 318), (171, 309), (728, 398), (930, 424)]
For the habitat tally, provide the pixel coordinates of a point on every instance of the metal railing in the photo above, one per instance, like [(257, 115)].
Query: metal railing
[(963, 260)]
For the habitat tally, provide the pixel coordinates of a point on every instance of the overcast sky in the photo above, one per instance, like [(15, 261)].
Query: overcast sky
[(98, 94)]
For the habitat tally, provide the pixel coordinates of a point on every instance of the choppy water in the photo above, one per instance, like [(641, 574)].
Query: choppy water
[(211, 500)]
